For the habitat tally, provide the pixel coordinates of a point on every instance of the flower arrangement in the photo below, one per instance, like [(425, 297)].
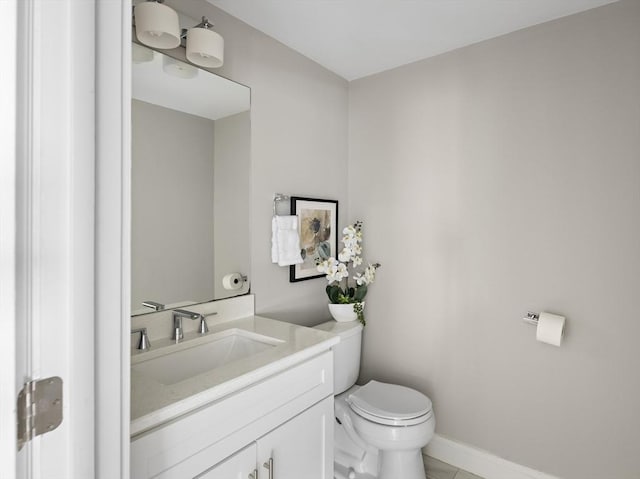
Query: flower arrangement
[(339, 270)]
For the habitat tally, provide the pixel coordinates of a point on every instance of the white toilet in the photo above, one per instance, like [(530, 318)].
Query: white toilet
[(380, 428)]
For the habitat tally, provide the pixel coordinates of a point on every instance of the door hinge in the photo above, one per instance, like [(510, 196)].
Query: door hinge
[(39, 408)]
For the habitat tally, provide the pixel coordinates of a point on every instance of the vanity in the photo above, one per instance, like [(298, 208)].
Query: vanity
[(252, 398)]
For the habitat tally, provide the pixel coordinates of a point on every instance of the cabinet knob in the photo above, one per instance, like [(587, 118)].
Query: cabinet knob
[(269, 467)]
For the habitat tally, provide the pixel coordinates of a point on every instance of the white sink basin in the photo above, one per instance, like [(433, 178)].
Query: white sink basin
[(225, 347)]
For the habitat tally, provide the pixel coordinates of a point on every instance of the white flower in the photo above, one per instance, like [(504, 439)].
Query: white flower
[(370, 274), (328, 266), (349, 230), (341, 272), (323, 267), (351, 256), (334, 270), (345, 255)]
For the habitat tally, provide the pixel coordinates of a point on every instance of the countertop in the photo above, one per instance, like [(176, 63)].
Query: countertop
[(153, 403)]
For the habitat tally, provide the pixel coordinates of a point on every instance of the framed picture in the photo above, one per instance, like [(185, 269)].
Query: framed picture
[(317, 225)]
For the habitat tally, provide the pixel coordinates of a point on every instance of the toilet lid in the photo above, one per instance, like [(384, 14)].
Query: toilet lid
[(390, 404)]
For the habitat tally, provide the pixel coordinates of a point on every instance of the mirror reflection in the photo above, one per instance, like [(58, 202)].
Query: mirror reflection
[(190, 183)]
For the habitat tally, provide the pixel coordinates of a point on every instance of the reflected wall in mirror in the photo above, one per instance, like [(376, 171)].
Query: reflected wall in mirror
[(190, 182)]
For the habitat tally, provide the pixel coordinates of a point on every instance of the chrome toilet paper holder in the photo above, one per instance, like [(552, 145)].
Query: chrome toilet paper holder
[(532, 318)]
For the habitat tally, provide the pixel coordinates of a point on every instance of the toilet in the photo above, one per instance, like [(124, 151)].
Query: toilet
[(380, 428)]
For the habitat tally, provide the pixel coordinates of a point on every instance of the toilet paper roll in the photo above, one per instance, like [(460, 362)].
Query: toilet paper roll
[(232, 281), (550, 328)]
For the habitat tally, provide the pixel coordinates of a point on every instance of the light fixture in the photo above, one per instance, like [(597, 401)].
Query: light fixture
[(140, 54), (178, 69), (157, 25), (204, 46)]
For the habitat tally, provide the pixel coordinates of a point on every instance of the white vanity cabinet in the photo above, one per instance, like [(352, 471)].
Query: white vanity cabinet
[(295, 450), (239, 466), (285, 419), (300, 448)]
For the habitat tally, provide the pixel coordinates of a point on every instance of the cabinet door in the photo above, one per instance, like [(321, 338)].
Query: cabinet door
[(302, 448), (238, 466)]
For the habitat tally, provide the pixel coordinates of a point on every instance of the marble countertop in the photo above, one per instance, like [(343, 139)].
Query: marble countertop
[(153, 403)]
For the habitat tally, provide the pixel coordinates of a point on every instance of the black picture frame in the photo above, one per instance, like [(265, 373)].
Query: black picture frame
[(318, 229)]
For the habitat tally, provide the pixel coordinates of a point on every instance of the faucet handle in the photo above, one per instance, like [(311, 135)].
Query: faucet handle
[(204, 328), (203, 325), (144, 342)]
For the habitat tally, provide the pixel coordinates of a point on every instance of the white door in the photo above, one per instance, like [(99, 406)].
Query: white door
[(8, 37), (47, 218)]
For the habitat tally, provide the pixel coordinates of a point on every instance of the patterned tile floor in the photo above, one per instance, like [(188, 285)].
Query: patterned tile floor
[(440, 470)]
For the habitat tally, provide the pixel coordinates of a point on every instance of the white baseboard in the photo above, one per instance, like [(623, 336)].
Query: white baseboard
[(479, 462)]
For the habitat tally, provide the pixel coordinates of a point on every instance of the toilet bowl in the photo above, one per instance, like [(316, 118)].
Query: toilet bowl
[(380, 428), (398, 422)]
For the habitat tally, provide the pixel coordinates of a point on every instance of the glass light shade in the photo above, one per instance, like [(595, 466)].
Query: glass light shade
[(157, 25), (205, 47), (177, 68), (140, 54)]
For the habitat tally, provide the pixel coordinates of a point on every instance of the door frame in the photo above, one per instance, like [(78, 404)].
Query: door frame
[(113, 237)]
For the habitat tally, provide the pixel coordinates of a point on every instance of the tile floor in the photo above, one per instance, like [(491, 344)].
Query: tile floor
[(440, 470)]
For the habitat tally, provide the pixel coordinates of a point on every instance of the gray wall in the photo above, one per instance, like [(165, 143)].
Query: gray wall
[(171, 192), (299, 128), (501, 178), (231, 196)]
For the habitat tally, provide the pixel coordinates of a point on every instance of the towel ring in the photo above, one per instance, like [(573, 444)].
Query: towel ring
[(277, 197)]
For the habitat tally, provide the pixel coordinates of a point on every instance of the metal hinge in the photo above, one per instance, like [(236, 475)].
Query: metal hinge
[(39, 408)]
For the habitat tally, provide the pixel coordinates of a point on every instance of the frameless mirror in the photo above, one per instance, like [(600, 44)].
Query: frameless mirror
[(190, 182)]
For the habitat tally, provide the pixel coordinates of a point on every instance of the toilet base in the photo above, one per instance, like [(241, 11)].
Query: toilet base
[(404, 464), (394, 465), (341, 472)]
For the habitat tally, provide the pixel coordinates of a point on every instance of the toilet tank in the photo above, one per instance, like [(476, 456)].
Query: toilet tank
[(346, 354)]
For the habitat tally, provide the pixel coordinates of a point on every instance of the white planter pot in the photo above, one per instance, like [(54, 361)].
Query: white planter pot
[(343, 312)]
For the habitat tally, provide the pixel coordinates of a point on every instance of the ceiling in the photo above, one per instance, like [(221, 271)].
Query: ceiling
[(356, 38)]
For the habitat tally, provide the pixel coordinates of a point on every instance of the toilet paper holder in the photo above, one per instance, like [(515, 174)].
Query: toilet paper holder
[(549, 326), (532, 318)]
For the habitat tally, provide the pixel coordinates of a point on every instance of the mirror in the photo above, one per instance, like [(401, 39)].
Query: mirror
[(190, 182)]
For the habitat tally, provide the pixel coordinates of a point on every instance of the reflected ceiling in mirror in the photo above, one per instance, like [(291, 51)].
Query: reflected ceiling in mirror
[(190, 182), (161, 80)]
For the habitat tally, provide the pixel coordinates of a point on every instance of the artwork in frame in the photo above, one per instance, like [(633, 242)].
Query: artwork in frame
[(317, 225)]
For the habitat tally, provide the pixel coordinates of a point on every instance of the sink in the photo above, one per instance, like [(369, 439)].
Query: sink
[(223, 348)]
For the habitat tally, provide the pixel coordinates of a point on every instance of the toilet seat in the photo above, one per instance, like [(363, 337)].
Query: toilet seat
[(390, 404)]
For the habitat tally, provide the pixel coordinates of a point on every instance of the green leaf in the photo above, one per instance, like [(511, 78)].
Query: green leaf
[(361, 292), (359, 310), (333, 292)]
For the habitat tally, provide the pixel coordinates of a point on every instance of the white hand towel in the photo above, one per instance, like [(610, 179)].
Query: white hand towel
[(286, 239), (274, 240)]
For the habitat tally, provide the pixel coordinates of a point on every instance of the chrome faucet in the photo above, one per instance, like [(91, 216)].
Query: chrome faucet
[(178, 314), (153, 305)]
